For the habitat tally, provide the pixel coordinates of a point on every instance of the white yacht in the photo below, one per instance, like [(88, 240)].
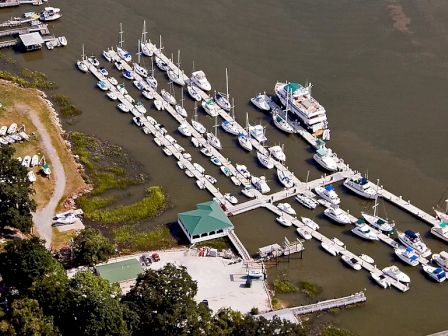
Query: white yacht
[(300, 102), (210, 107), (112, 81), (304, 233), (325, 159), (199, 79), (230, 127), (328, 193), (242, 169), (436, 273), (306, 201), (277, 153), (338, 215), (244, 141), (282, 123), (146, 46), (265, 160), (194, 93), (352, 262), (232, 199), (261, 101), (161, 64), (139, 84), (206, 151), (310, 223), (222, 101), (260, 184), (248, 191), (216, 161), (210, 179), (148, 94), (440, 231), (361, 186), (330, 248), (214, 141), (283, 220), (50, 14), (184, 129), (124, 54), (376, 221), (287, 208), (140, 108), (107, 55), (168, 97), (123, 108), (285, 177), (441, 259), (128, 74), (140, 70), (395, 273), (407, 255), (103, 85), (365, 232), (380, 279), (412, 239), (257, 132)]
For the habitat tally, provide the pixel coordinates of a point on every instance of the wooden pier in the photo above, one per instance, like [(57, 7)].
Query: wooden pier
[(14, 3), (41, 28)]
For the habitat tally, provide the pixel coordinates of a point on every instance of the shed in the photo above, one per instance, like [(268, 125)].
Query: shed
[(31, 41), (120, 271)]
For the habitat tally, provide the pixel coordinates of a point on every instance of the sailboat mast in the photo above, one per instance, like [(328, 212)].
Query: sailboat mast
[(195, 111), (233, 109), (375, 206), (121, 35), (247, 123), (144, 32), (139, 52), (182, 96), (227, 85), (83, 53), (160, 43)]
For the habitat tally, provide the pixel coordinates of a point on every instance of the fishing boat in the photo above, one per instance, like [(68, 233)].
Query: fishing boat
[(441, 230), (210, 107), (330, 248), (257, 132), (412, 239), (194, 93), (26, 161), (324, 157), (352, 262), (12, 128), (310, 223), (216, 161), (265, 160), (123, 108), (376, 221), (123, 53), (261, 101), (361, 186), (304, 233), (395, 273), (242, 169), (338, 215), (230, 198), (158, 104), (407, 255), (184, 129), (168, 97), (34, 160), (210, 179), (306, 201), (277, 153), (441, 259), (260, 184), (103, 71), (285, 177), (248, 191), (148, 94), (103, 85), (365, 232), (283, 220), (436, 273), (50, 14), (200, 80), (282, 123), (140, 108), (112, 81), (380, 279), (146, 46), (31, 176), (226, 171), (107, 54), (287, 208), (328, 193), (367, 259)]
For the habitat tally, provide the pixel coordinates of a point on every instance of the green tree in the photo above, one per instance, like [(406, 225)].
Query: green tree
[(27, 319), (16, 204), (25, 261), (91, 247), (163, 300)]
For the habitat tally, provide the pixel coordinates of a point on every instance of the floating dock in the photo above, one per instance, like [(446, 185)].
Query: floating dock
[(14, 3)]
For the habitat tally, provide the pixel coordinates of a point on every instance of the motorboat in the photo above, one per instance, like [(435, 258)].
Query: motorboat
[(338, 215), (395, 273), (167, 151), (242, 169), (244, 141), (223, 101), (158, 142), (380, 279), (180, 164), (257, 132), (107, 54), (352, 262), (148, 94), (189, 173), (230, 198), (31, 176), (93, 60), (248, 191), (140, 108), (325, 159), (103, 71), (277, 153), (214, 141), (282, 123), (152, 81), (82, 66), (261, 101), (176, 76), (412, 239), (210, 107), (65, 220), (285, 177), (365, 232), (121, 88), (179, 148), (287, 208), (198, 127), (436, 273), (377, 222), (265, 160), (304, 233), (158, 104), (118, 65), (123, 108), (170, 139), (139, 84), (198, 78), (310, 223), (235, 181), (283, 220), (184, 129), (201, 184), (168, 97), (440, 230), (34, 160), (8, 139), (194, 93), (151, 120), (186, 156), (407, 255), (208, 153), (161, 64), (216, 161), (124, 54), (441, 259), (26, 161), (103, 85), (230, 127), (128, 74), (361, 186), (226, 171), (138, 69), (199, 168), (210, 179), (112, 81), (195, 142), (306, 201), (129, 98), (260, 184), (181, 111), (50, 14), (328, 193), (112, 95), (330, 248), (367, 259)]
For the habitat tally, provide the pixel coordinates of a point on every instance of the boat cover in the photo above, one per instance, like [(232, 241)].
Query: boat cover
[(411, 234), (363, 181), (329, 187)]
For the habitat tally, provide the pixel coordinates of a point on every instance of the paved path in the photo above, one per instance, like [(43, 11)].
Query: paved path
[(43, 218)]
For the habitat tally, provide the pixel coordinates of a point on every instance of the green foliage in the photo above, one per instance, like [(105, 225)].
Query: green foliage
[(283, 286), (217, 243), (276, 304), (91, 247), (29, 79), (335, 331), (26, 261), (310, 289), (15, 191), (254, 311), (66, 108), (156, 239)]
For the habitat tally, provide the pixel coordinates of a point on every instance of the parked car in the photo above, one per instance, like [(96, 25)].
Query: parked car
[(155, 257), (146, 260)]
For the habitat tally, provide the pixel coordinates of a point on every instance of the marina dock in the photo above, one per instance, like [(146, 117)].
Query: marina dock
[(14, 3)]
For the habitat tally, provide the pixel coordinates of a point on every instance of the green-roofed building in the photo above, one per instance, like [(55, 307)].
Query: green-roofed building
[(207, 222), (120, 271)]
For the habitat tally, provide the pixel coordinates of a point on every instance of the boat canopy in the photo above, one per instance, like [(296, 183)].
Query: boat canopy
[(380, 221), (409, 249), (411, 234), (360, 221), (363, 181), (322, 151), (293, 87), (329, 187)]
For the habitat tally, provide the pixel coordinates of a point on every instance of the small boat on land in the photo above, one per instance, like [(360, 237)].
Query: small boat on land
[(3, 130), (200, 80), (304, 233), (407, 255), (412, 239), (436, 273), (123, 108), (338, 215), (328, 193), (380, 279), (310, 223), (287, 208), (365, 232), (352, 262), (283, 220), (26, 161), (3, 141), (31, 176), (194, 93), (12, 129), (330, 248), (361, 186), (248, 191), (306, 201), (395, 273), (261, 101), (265, 160), (230, 198), (34, 160)]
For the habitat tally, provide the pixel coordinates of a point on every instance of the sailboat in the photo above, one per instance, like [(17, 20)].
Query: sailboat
[(159, 62), (137, 67), (243, 137), (280, 122), (213, 139), (195, 123), (175, 75), (180, 108), (151, 80), (441, 213), (145, 44), (231, 126), (266, 160), (123, 53), (222, 99), (81, 64), (376, 221)]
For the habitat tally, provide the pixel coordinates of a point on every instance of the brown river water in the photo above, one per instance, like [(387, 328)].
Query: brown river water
[(379, 68)]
